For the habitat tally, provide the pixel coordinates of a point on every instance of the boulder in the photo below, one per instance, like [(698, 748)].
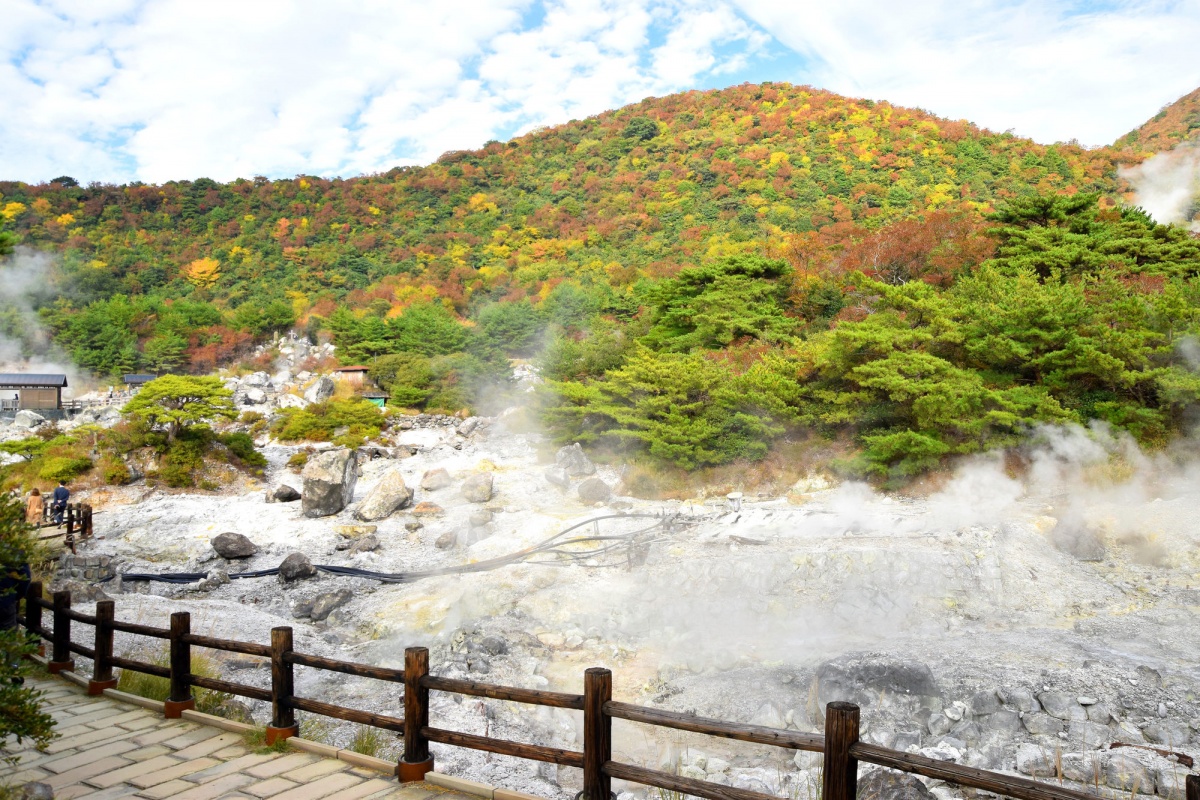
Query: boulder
[(1020, 698), (255, 397), (324, 605), (478, 488), (295, 567), (1042, 724), (257, 379), (884, 784), (329, 480), (446, 540), (1126, 772), (480, 518), (387, 497), (27, 419), (435, 479), (1061, 705), (291, 401), (983, 703), (354, 531), (557, 476), (233, 545), (320, 391), (863, 677), (572, 459), (1036, 761), (1171, 733), (366, 544), (285, 494), (594, 490), (426, 509), (467, 427)]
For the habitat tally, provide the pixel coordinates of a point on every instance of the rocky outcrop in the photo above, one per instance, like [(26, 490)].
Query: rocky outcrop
[(478, 488), (283, 494), (329, 480), (388, 496), (572, 459), (27, 419), (863, 677), (296, 567), (324, 605), (233, 545), (320, 391)]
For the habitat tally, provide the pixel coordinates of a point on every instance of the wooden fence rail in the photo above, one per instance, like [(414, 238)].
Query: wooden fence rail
[(843, 751)]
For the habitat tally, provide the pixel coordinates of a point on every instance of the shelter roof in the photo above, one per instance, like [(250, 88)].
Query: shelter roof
[(24, 380)]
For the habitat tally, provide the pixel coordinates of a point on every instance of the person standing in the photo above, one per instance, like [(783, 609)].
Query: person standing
[(35, 507), (62, 496)]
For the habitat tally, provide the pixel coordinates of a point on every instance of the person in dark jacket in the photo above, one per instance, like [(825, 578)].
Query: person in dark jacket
[(62, 495)]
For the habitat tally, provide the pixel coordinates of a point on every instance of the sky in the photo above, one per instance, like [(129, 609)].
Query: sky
[(158, 90)]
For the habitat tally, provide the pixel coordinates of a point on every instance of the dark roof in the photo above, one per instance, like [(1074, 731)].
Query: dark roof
[(21, 380), (352, 369), (139, 378)]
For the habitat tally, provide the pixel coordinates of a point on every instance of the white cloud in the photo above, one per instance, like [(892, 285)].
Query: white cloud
[(1049, 69)]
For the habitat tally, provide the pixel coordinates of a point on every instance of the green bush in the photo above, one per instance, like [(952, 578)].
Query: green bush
[(63, 468), (319, 421), (114, 471), (242, 446)]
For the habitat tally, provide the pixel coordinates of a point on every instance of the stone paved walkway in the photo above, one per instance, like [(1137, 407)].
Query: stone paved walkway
[(108, 749)]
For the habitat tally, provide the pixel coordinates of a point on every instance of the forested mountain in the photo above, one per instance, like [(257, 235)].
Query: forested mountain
[(1176, 123), (696, 273)]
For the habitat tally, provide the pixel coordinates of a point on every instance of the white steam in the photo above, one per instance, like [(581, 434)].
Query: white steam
[(25, 344), (1168, 184)]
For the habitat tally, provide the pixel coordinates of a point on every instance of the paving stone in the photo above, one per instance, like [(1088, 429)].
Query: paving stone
[(367, 788), (171, 773), (237, 751), (79, 774), (166, 789), (320, 788), (269, 787), (316, 770), (280, 765), (147, 720), (209, 746), (159, 736), (190, 738), (69, 762), (125, 774), (217, 788), (144, 753), (121, 719), (236, 765)]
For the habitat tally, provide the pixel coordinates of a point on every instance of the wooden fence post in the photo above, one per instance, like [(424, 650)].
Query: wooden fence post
[(840, 781), (60, 645), (33, 614), (69, 538), (283, 716), (102, 669), (1193, 787), (597, 733), (180, 699), (416, 761)]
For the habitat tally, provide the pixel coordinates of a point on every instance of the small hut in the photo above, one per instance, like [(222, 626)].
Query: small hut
[(33, 392), (355, 376), (135, 382)]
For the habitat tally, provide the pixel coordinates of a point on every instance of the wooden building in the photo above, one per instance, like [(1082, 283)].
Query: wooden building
[(34, 392), (355, 376), (135, 382)]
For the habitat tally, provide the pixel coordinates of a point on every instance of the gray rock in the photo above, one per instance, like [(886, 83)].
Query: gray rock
[(1126, 772), (217, 577), (1099, 713), (1021, 699), (493, 645), (885, 784), (983, 703), (1058, 704), (435, 479), (285, 494), (1035, 761), (594, 490), (1171, 733), (467, 427), (329, 480), (1090, 734), (1042, 724), (1083, 767), (233, 545), (302, 609), (572, 459), (325, 604), (446, 540), (1003, 722), (862, 677), (27, 419), (387, 497), (478, 488), (35, 790), (768, 716), (255, 397), (966, 731), (479, 664), (939, 724), (366, 544), (479, 518), (558, 476), (1170, 780), (413, 527), (296, 567), (257, 379), (320, 391)]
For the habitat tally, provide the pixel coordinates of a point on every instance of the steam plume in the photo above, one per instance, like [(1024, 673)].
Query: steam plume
[(1167, 185)]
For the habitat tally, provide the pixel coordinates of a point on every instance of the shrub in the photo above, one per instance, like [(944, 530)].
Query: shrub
[(63, 468), (114, 471), (297, 461), (156, 688), (318, 422), (242, 446)]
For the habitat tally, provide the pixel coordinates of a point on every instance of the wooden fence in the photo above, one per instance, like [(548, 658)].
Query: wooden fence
[(78, 520), (842, 749)]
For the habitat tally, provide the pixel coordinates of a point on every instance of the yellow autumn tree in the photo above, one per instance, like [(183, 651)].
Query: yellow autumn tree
[(203, 272)]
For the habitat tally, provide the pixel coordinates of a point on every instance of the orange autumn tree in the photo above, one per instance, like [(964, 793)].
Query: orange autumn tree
[(203, 272)]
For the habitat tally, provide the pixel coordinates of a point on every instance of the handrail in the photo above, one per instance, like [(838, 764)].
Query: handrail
[(840, 744)]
